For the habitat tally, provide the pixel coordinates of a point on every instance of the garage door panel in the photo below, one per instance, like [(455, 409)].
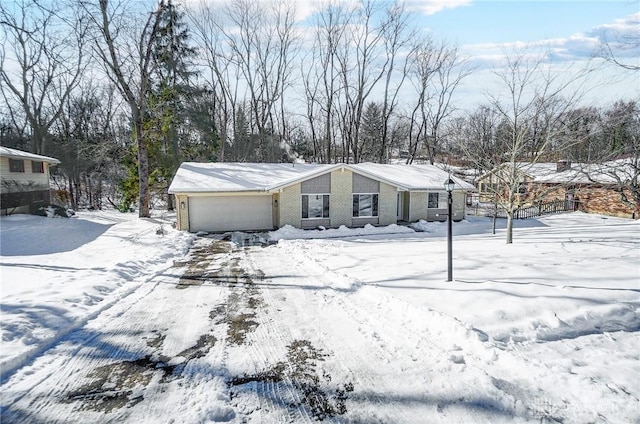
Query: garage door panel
[(230, 213)]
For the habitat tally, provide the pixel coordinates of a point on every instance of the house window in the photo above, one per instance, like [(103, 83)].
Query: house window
[(522, 187), (37, 167), (16, 165), (437, 200), (365, 205), (315, 206)]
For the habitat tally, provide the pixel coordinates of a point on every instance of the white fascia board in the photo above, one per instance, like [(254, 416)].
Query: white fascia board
[(19, 154), (201, 193), (377, 177), (315, 173)]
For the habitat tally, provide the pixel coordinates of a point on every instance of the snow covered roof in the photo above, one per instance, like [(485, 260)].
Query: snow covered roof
[(577, 173), (194, 177), (221, 177), (411, 177), (19, 154)]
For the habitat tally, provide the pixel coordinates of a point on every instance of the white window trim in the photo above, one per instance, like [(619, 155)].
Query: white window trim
[(442, 200), (23, 167), (367, 194), (315, 194)]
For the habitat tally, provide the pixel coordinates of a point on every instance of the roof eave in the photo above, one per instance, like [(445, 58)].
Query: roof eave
[(190, 191), (304, 177), (399, 187), (37, 158)]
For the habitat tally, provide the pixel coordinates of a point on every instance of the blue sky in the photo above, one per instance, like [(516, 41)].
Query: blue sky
[(568, 32), (484, 21)]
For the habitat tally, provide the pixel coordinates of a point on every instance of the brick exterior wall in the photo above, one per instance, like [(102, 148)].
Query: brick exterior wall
[(290, 206), (341, 203), (341, 200), (602, 201), (275, 210), (587, 198), (387, 205), (182, 220)]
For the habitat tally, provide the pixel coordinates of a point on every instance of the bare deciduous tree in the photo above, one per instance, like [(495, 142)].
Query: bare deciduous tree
[(321, 79), (397, 38), (531, 114), (436, 72), (621, 47), (360, 69), (125, 49), (86, 142), (262, 43), (616, 158), (41, 62)]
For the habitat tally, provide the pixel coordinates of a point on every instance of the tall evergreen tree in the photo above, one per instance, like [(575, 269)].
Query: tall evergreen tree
[(372, 133), (169, 100)]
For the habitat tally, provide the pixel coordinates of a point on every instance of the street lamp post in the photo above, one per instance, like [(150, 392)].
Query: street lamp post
[(448, 185)]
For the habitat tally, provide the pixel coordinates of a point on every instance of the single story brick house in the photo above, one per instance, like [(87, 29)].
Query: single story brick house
[(24, 180), (264, 196), (590, 188)]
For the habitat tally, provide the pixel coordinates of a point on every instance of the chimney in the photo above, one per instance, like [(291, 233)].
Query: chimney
[(563, 165)]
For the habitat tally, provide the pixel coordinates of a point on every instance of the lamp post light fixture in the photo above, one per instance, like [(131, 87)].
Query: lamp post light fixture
[(449, 185)]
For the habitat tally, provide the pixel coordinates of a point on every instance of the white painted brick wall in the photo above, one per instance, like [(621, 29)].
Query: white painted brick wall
[(341, 200), (290, 206), (182, 222), (387, 205)]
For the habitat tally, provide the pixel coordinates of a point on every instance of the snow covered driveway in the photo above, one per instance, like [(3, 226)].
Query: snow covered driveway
[(345, 330)]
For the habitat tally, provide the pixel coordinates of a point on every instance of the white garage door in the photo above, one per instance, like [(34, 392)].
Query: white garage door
[(230, 213)]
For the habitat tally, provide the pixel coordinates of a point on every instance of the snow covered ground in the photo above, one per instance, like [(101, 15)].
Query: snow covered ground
[(105, 320), (57, 273)]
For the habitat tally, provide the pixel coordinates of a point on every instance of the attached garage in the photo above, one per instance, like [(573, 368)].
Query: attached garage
[(228, 196), (230, 213), (224, 196)]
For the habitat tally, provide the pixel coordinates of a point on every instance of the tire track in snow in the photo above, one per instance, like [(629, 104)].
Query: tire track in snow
[(57, 368), (9, 368), (343, 334), (266, 344), (460, 351), (119, 333), (509, 380)]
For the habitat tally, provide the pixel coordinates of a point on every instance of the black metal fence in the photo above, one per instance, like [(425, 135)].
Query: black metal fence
[(533, 211), (543, 208)]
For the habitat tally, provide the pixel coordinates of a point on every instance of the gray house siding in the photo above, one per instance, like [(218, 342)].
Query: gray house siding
[(317, 185), (363, 184)]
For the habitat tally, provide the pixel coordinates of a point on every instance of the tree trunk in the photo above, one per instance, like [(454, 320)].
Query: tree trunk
[(143, 172), (509, 226), (170, 205)]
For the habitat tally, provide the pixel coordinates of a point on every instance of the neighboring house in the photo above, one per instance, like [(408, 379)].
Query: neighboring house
[(587, 187), (263, 196), (24, 180)]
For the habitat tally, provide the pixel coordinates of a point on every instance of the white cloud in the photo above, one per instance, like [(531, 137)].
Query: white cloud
[(578, 46), (303, 8), (431, 7), (627, 25)]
